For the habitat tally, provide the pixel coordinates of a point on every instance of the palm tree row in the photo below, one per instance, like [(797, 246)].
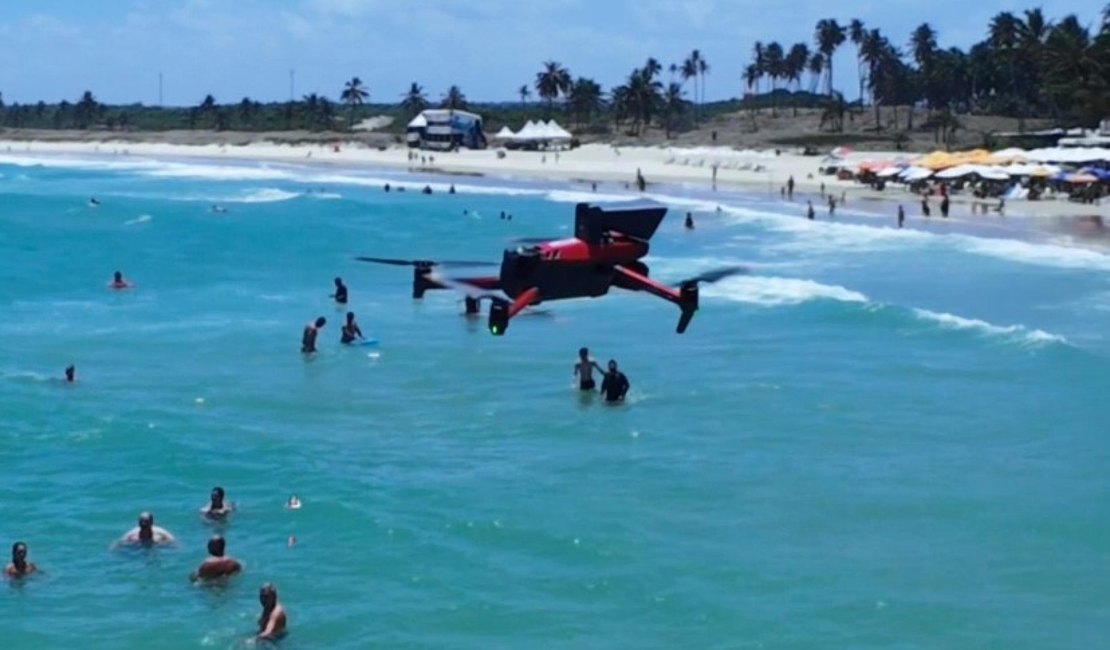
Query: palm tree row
[(1025, 66)]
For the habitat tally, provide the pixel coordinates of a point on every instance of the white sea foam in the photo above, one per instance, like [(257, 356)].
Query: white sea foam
[(218, 172), (774, 291), (142, 218), (1019, 333), (264, 195), (1054, 255)]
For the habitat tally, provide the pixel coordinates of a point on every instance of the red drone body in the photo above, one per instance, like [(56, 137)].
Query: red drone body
[(605, 252)]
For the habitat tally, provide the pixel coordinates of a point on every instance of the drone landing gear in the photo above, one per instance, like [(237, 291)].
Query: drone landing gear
[(501, 311)]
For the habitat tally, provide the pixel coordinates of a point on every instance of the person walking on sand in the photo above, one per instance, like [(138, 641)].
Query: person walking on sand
[(790, 188)]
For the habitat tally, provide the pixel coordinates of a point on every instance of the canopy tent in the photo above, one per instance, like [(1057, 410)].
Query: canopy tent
[(983, 171), (913, 174), (418, 122), (557, 132), (887, 172), (505, 134)]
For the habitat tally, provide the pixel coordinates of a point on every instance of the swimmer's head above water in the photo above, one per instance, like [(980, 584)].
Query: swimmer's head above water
[(71, 373), (216, 546)]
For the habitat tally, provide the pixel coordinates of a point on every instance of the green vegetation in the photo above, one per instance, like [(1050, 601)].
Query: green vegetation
[(1025, 67)]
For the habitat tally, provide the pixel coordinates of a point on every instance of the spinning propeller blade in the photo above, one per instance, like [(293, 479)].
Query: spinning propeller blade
[(428, 263), (716, 275), (535, 240)]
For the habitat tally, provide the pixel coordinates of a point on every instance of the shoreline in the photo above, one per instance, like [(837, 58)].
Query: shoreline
[(762, 175)]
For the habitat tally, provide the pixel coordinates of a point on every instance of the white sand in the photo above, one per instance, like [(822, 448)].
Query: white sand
[(761, 172)]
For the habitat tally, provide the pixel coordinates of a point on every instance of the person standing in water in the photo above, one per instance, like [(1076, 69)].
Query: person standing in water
[(71, 374), (146, 533), (118, 282), (809, 210), (689, 221), (217, 507), (271, 624), (790, 188), (308, 339), (901, 216), (615, 385), (19, 566), (350, 331), (340, 294), (217, 565), (584, 370)]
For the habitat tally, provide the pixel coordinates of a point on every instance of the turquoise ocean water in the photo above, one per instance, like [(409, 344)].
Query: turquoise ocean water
[(878, 439)]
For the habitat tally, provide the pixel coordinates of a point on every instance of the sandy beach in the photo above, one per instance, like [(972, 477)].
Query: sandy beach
[(764, 172)]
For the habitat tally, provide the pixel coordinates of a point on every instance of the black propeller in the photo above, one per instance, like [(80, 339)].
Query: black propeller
[(424, 263), (716, 275)]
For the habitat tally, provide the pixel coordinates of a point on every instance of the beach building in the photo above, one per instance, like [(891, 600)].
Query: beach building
[(445, 130)]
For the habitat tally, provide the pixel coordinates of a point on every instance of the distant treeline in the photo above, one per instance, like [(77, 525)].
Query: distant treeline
[(1027, 66)]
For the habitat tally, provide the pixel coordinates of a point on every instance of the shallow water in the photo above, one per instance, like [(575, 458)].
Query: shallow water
[(878, 439)]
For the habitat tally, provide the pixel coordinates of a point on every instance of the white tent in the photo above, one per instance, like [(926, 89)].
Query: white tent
[(556, 132), (989, 173), (505, 134), (418, 122), (527, 132)]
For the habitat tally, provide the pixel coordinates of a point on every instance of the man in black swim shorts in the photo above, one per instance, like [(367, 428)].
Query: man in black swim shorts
[(584, 370)]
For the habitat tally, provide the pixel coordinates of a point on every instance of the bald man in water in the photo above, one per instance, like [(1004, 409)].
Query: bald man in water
[(147, 534), (217, 565)]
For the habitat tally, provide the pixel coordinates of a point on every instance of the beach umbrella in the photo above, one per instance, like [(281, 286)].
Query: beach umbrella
[(1081, 178)]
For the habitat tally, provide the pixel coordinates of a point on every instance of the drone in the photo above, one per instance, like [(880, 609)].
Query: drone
[(605, 252)]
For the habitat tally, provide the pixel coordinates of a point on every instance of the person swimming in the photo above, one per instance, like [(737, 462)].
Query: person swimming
[(19, 566), (217, 507), (93, 202), (118, 282), (293, 503), (350, 331), (272, 622), (308, 339), (219, 209), (427, 189), (340, 294), (216, 565), (146, 533), (71, 374), (584, 370), (615, 385)]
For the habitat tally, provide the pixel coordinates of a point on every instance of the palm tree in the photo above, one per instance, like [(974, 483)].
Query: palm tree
[(86, 109), (584, 99), (652, 67), (759, 60), (794, 66), (816, 68), (207, 107), (414, 101), (829, 36), (245, 111), (552, 81), (1004, 29), (703, 69), (874, 52), (774, 66), (454, 99), (856, 33), (353, 95), (689, 70), (525, 92), (923, 45), (673, 104)]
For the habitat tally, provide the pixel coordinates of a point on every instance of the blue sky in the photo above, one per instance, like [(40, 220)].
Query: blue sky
[(55, 49)]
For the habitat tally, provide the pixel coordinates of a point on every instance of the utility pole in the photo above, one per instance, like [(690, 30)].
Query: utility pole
[(160, 104)]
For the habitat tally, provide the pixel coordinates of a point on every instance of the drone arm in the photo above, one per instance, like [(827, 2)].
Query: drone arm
[(627, 278), (686, 296)]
